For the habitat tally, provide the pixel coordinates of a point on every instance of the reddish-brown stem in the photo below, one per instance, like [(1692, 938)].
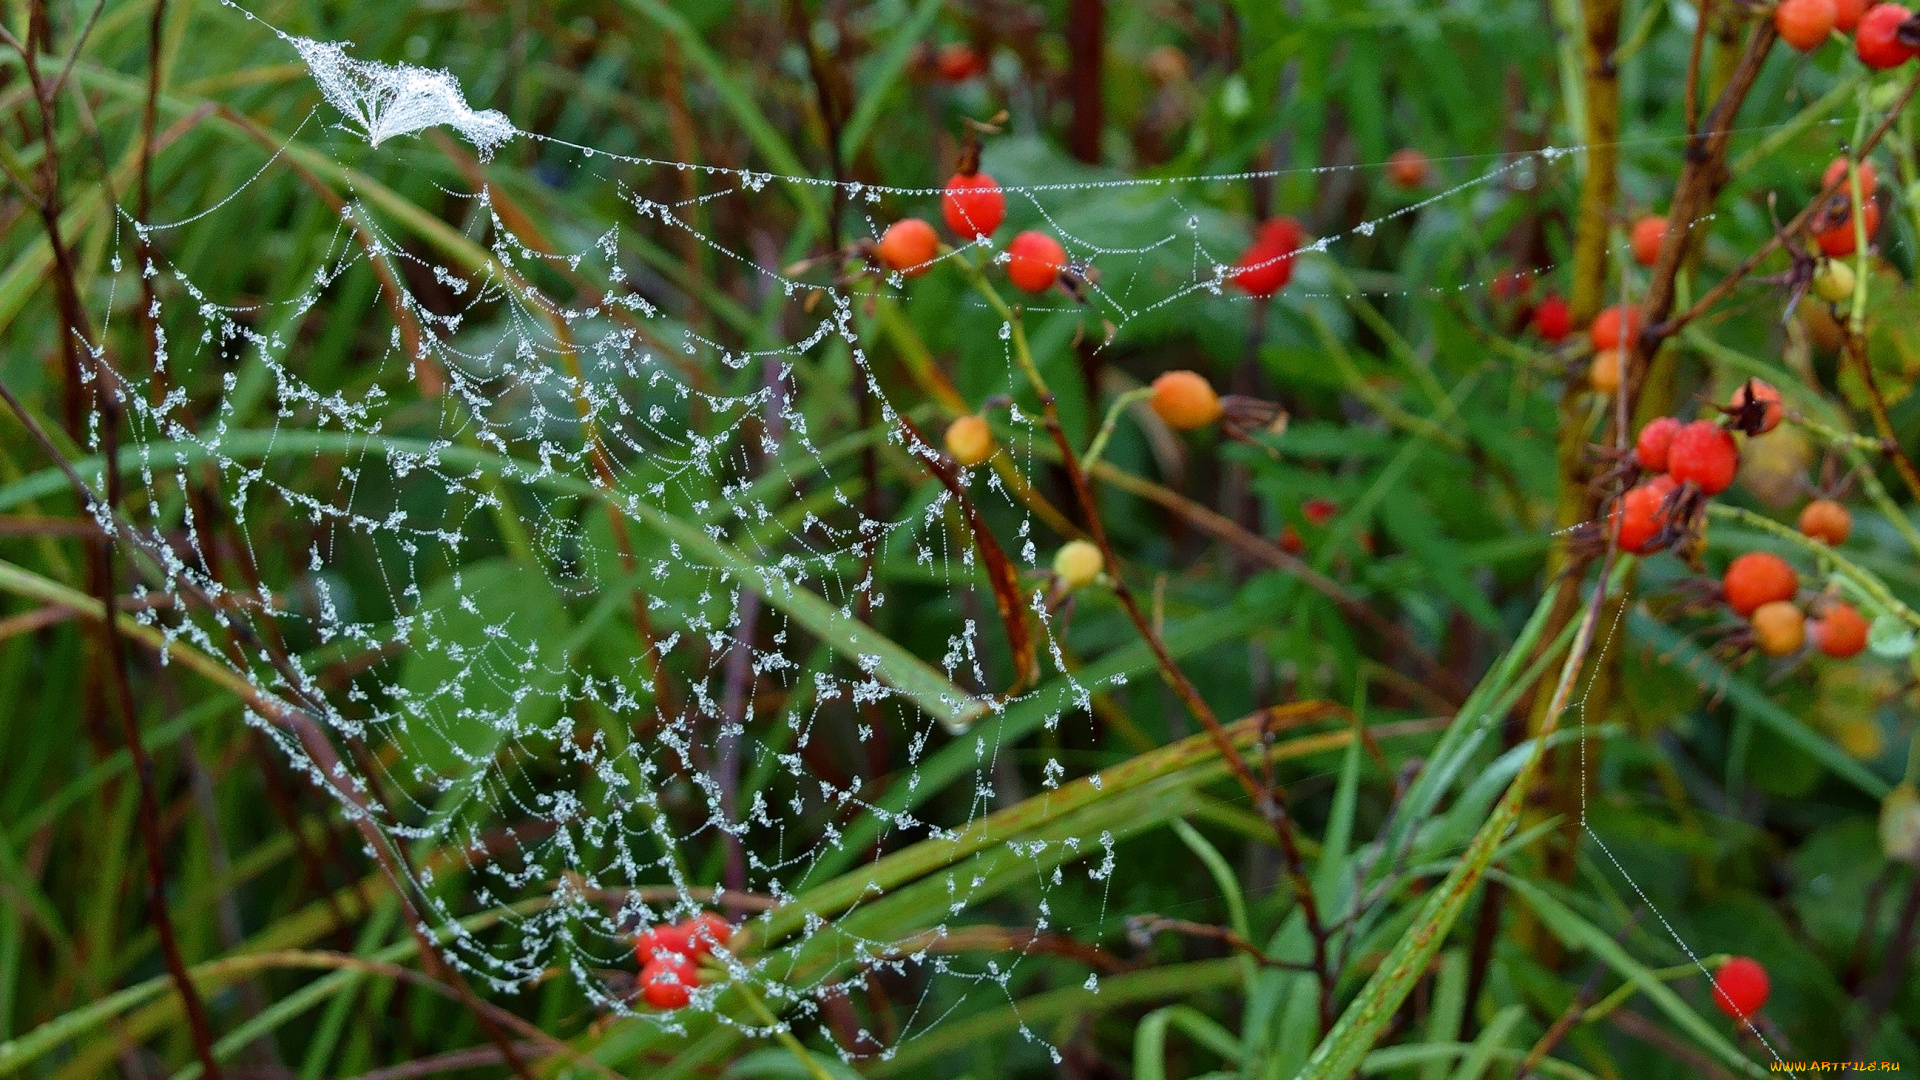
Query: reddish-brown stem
[(1271, 802)]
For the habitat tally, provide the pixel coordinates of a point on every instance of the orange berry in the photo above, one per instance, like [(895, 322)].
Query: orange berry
[(1611, 327), (1034, 261), (1804, 24), (1756, 579), (909, 246), (1408, 169), (973, 205), (1846, 14), (707, 930), (1642, 514), (1824, 519), (1185, 400), (1603, 374), (1778, 628), (1650, 449), (1840, 631), (1651, 231), (969, 440)]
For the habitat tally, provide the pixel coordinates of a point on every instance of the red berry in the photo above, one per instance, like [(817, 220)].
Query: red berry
[(1553, 319), (958, 62), (1757, 578), (1836, 241), (1804, 24), (1034, 261), (662, 942), (1836, 174), (1612, 326), (1319, 511), (706, 930), (1756, 406), (1876, 40), (1741, 987), (1512, 285), (1408, 169), (908, 246), (1704, 453), (1651, 447), (1826, 520), (1847, 14), (668, 984), (1643, 514), (1651, 231), (1840, 631), (973, 205), (1290, 541), (1267, 265)]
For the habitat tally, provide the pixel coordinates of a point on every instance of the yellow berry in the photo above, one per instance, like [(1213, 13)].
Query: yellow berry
[(969, 440), (1604, 373), (1779, 628), (1833, 282), (1077, 563), (1185, 400)]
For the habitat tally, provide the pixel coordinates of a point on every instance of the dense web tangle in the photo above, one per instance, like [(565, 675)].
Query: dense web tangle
[(597, 480)]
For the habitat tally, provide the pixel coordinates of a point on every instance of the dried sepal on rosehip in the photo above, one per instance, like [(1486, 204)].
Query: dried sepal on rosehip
[(1755, 408)]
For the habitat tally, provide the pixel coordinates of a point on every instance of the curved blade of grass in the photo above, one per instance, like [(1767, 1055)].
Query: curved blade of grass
[(1150, 1039)]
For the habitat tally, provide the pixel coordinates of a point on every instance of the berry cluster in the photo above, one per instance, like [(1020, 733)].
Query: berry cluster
[(668, 955), (1695, 461), (973, 206)]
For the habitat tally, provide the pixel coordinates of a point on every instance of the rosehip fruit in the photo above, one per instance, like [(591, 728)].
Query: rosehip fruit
[(707, 930), (1741, 987), (1651, 231), (1757, 408), (1704, 453), (1650, 449), (1804, 24), (1319, 511), (1603, 374), (1833, 282), (661, 942), (1078, 564), (1836, 241), (1836, 174), (1840, 630), (1185, 400), (1290, 541), (957, 62), (1553, 319), (973, 205), (1267, 265), (1612, 326), (1408, 169), (908, 246), (1876, 39), (1758, 578), (1846, 14), (1034, 261), (1642, 514), (668, 984), (1826, 520), (1779, 629), (969, 440)]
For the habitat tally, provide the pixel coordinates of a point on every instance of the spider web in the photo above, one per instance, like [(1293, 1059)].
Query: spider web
[(589, 482)]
